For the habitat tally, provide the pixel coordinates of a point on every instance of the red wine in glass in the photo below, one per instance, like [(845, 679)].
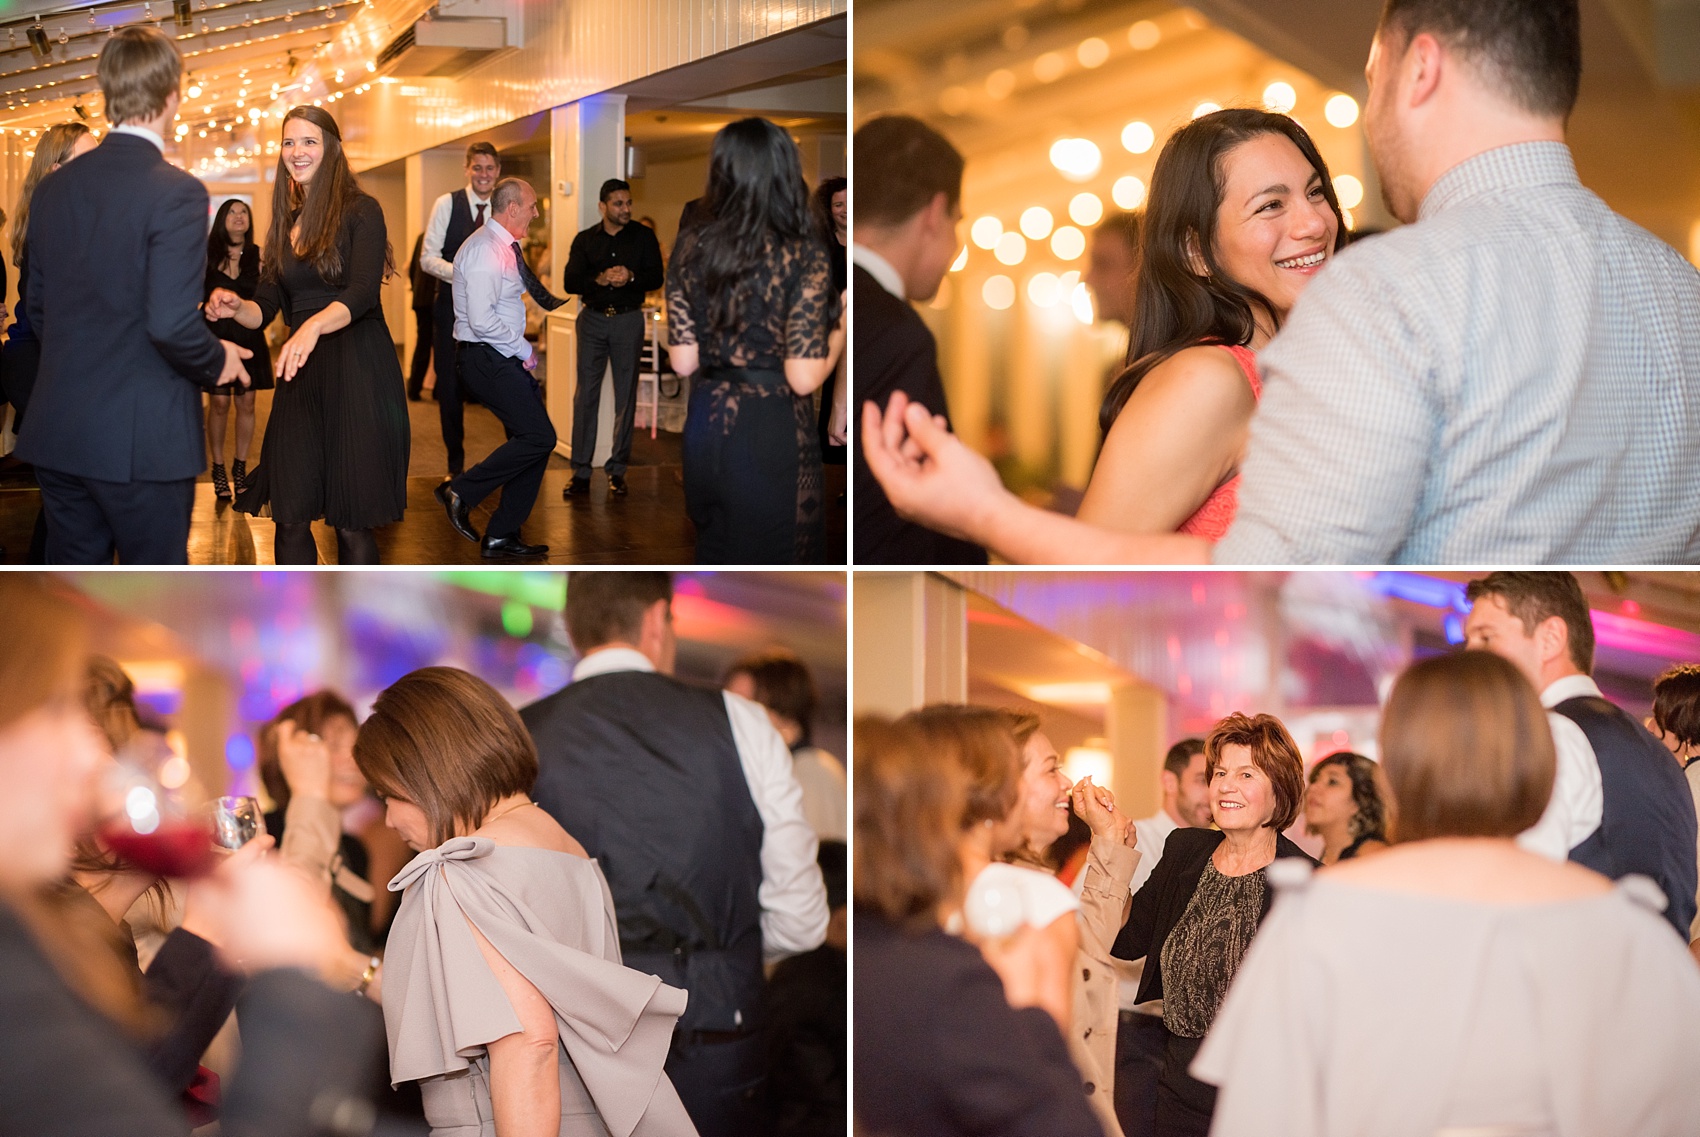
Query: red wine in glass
[(177, 847)]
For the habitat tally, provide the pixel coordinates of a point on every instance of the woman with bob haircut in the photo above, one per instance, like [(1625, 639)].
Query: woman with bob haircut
[(1197, 913), (337, 441), (1675, 721), (1346, 805), (951, 1038), (505, 996), (1455, 982)]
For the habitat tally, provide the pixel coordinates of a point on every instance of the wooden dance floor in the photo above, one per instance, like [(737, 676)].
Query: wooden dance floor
[(648, 526)]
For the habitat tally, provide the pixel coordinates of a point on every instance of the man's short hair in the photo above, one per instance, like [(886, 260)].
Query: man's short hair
[(613, 186), (482, 147), (1180, 755), (782, 684), (603, 607), (1534, 597), (1530, 49), (901, 165), (139, 69), (508, 191)]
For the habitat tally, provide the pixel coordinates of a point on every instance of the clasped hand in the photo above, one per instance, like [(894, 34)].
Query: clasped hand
[(614, 277)]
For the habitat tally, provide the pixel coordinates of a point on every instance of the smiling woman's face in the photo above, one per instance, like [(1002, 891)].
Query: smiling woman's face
[(303, 149), (1044, 793), (1241, 796), (1274, 229)]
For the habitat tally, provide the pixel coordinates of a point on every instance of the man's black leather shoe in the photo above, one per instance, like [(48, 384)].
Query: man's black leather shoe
[(459, 515), (617, 485), (510, 547), (578, 487)]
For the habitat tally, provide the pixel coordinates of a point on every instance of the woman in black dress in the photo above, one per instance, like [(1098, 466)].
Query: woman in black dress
[(233, 263), (337, 442), (831, 201), (750, 303)]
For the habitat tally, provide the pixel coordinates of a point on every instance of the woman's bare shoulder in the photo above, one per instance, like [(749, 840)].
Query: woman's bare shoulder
[(531, 827)]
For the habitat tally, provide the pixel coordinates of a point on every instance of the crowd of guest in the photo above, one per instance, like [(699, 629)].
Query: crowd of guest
[(1484, 944), (613, 910), (1377, 411), (108, 395)]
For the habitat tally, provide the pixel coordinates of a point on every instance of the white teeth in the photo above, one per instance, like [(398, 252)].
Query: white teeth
[(1303, 262)]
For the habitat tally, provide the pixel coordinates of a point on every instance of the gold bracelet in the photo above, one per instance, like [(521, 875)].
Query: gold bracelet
[(366, 976)]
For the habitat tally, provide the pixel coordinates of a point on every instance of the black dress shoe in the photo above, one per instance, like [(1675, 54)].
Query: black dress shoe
[(578, 487), (459, 515), (510, 547), (617, 485)]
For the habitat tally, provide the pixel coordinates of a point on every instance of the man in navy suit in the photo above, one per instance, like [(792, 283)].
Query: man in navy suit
[(117, 262)]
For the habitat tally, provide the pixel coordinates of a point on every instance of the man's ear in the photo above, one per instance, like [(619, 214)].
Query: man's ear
[(1553, 635), (1422, 66)]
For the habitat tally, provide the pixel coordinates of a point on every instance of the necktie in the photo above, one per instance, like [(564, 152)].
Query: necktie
[(480, 220), (545, 300)]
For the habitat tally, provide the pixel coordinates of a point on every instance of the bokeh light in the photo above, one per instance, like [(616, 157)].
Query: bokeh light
[(1068, 243), (1341, 111), (1128, 192), (998, 292), (1044, 290), (1085, 209), (1080, 301), (1011, 250), (1144, 35), (1349, 190), (961, 261), (985, 232), (1280, 97), (1036, 222), (1076, 158), (1205, 108), (1138, 137), (1000, 84), (1049, 67), (1092, 52)]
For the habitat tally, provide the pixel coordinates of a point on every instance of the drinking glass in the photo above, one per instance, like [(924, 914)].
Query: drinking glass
[(235, 821)]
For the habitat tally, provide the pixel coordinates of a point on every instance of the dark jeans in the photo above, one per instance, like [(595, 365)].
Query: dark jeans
[(721, 1084), (516, 466), (449, 412), (145, 523), (1140, 1043), (422, 324), (602, 339)]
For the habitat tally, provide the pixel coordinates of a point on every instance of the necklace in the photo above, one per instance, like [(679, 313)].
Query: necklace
[(505, 812)]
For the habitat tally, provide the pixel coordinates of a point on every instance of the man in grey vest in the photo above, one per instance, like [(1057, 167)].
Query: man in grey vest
[(1619, 804), (685, 797), (454, 218)]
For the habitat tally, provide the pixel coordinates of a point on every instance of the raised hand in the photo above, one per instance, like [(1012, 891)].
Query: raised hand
[(304, 759), (234, 371), (927, 473), (1096, 806)]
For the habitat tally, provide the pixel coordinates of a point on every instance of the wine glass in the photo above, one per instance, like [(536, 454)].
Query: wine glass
[(235, 821), (144, 823)]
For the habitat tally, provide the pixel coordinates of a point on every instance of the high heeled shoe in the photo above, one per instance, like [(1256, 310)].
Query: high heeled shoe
[(221, 483), (239, 474)]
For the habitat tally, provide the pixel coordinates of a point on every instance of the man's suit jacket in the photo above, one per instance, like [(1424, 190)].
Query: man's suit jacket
[(118, 257), (895, 352)]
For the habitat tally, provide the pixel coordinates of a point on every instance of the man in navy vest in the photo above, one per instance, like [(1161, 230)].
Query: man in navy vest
[(454, 218), (686, 798), (1619, 804)]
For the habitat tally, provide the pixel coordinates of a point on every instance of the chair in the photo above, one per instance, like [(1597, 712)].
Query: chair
[(649, 374)]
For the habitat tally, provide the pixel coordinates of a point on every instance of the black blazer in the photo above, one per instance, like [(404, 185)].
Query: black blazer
[(118, 257), (1158, 905), (894, 351), (940, 1053)]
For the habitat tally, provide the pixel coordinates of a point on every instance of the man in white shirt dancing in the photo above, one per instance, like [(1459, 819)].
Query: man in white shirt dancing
[(496, 364)]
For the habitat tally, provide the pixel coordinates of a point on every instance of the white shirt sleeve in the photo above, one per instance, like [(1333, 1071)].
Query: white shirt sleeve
[(431, 254), (1578, 797), (482, 298), (793, 895)]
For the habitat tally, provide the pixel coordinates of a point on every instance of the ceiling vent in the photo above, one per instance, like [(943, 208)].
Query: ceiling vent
[(443, 48)]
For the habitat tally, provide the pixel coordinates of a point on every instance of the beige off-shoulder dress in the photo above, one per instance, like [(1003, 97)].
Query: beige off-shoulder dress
[(550, 915)]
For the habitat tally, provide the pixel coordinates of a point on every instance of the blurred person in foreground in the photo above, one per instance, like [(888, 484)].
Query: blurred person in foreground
[(781, 683), (69, 1017), (1111, 264), (1619, 804), (1196, 915), (1541, 415), (1141, 1040), (1676, 722), (908, 209), (951, 1038), (507, 999), (685, 796), (1346, 806), (1456, 982)]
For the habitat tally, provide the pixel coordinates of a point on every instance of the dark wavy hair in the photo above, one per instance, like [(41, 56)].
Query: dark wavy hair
[(757, 199), (1174, 307), (1371, 819), (218, 239), (320, 208), (820, 203)]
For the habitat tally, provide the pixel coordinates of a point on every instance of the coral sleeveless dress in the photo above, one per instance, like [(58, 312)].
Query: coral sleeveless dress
[(1212, 519)]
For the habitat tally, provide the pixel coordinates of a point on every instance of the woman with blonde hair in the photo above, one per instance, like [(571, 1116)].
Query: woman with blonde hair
[(336, 444), (505, 998), (1456, 983)]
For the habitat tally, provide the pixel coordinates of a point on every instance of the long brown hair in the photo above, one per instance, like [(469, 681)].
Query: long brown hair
[(54, 148), (910, 796), (1174, 307), (321, 208)]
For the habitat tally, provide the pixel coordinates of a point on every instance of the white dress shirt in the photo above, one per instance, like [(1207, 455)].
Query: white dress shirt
[(1578, 796), (880, 269), (792, 895), (140, 132), (489, 294), (826, 792), (437, 230)]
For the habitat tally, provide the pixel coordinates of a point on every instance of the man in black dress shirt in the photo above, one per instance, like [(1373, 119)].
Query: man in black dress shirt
[(611, 266), (908, 205)]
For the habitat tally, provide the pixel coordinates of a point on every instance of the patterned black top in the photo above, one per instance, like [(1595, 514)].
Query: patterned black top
[(1204, 951), (787, 312)]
